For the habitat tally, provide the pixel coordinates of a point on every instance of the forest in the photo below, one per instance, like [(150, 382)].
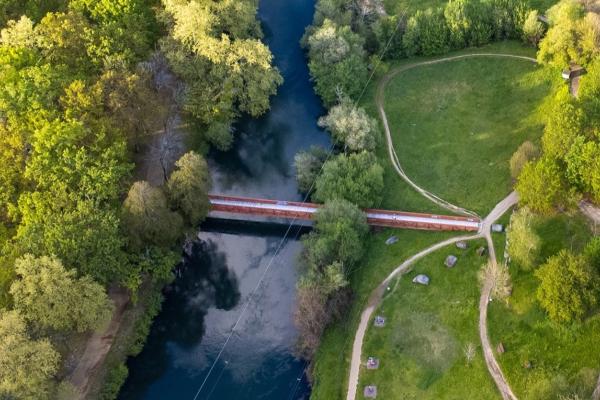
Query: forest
[(86, 85)]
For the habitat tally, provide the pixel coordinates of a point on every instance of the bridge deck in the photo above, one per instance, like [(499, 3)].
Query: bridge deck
[(306, 211)]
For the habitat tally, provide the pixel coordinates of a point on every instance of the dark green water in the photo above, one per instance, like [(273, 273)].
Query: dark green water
[(222, 269)]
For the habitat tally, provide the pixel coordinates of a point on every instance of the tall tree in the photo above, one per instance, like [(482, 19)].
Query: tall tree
[(337, 62), (568, 286), (147, 218), (308, 165), (188, 187), (541, 186), (351, 126), (26, 365), (357, 178), (51, 296)]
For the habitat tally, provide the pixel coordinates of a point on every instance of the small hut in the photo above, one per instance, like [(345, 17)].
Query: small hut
[(372, 363), (370, 391), (421, 279), (450, 261), (379, 321)]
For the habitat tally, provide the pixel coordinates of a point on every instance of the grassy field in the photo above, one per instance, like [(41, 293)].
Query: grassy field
[(333, 359), (421, 349), (563, 359), (410, 6), (455, 125)]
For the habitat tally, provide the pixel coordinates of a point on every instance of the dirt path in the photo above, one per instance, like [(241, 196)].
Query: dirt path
[(485, 232), (98, 347), (380, 102), (377, 295), (373, 303), (488, 353)]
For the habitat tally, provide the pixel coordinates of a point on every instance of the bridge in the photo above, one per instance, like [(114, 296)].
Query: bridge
[(306, 212)]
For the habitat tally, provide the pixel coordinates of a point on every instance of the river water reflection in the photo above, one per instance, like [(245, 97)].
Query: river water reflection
[(223, 267)]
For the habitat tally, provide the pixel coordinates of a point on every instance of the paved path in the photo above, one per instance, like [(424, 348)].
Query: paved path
[(485, 232)]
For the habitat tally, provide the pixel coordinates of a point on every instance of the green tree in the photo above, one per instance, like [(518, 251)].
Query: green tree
[(568, 286), (188, 187), (351, 126), (79, 232), (308, 165), (469, 22), (51, 296), (533, 29), (337, 62), (147, 219), (26, 365), (357, 178), (389, 31), (526, 152), (340, 228), (427, 33), (570, 37), (541, 186), (523, 242)]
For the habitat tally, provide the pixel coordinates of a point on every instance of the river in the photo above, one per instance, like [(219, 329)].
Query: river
[(222, 269)]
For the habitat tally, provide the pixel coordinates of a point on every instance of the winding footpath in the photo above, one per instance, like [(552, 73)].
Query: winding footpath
[(484, 232)]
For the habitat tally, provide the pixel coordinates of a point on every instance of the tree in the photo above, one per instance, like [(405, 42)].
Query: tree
[(541, 186), (338, 235), (357, 178), (308, 165), (337, 62), (570, 36), (50, 296), (498, 276), (427, 33), (533, 29), (568, 286), (583, 166), (523, 242), (78, 231), (188, 187), (147, 219), (311, 318), (26, 366), (351, 126), (468, 22), (212, 47), (526, 152), (389, 30)]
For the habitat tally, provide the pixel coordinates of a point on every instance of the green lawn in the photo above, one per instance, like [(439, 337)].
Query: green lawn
[(455, 125), (333, 359), (563, 359), (421, 348), (395, 6)]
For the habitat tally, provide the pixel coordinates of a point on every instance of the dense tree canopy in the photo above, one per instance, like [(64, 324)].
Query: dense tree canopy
[(357, 178), (568, 286), (308, 165), (337, 62), (351, 126), (51, 296), (147, 217), (215, 48), (571, 36), (27, 366), (188, 187)]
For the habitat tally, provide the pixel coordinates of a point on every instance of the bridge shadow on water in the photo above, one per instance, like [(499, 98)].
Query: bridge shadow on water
[(258, 228)]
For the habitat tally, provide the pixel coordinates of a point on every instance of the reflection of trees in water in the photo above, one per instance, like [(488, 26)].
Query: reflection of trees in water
[(204, 282)]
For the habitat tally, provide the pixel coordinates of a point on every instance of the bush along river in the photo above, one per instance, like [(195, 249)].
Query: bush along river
[(221, 270)]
